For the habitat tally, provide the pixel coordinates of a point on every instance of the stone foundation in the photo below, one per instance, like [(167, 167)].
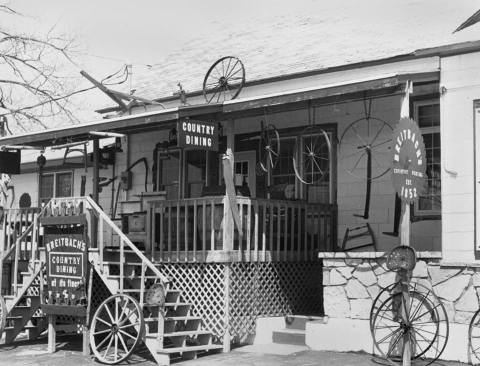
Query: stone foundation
[(351, 285), (353, 280)]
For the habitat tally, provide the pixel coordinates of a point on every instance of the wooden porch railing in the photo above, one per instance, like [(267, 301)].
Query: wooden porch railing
[(13, 224), (194, 230)]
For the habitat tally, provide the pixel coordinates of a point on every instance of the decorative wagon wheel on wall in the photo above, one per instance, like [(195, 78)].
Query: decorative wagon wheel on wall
[(364, 150), (269, 148), (117, 328), (315, 152), (224, 80)]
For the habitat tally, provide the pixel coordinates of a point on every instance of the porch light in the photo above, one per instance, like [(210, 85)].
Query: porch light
[(41, 160)]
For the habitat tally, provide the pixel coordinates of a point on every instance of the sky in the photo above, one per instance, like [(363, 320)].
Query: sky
[(111, 33)]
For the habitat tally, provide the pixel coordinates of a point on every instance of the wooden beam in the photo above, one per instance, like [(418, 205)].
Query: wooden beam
[(104, 89)]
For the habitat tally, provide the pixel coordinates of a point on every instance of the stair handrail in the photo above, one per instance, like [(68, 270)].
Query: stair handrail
[(123, 238), (16, 247)]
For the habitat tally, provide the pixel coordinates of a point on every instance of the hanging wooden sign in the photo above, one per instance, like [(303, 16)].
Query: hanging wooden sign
[(198, 135), (409, 160), (66, 253)]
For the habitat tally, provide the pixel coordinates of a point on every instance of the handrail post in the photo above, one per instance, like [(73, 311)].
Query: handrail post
[(122, 262), (142, 283), (15, 271), (100, 241)]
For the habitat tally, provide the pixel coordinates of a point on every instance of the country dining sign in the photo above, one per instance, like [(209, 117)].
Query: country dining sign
[(66, 252), (409, 161), (198, 135)]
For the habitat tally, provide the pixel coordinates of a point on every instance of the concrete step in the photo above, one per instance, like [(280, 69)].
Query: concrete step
[(289, 336), (299, 321), (206, 347)]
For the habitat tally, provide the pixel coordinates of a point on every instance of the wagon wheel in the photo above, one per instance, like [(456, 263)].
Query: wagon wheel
[(366, 141), (474, 338), (224, 80), (117, 328), (3, 315), (427, 327), (315, 151), (269, 147), (364, 152)]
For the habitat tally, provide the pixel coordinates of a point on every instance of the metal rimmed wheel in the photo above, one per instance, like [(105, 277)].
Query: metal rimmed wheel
[(3, 315), (426, 327), (474, 338), (315, 150), (364, 148), (224, 80), (269, 147), (117, 328)]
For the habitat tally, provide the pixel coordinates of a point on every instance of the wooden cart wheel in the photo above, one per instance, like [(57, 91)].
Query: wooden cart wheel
[(224, 80), (474, 338), (117, 328), (427, 327), (315, 151), (269, 147), (3, 315), (364, 148)]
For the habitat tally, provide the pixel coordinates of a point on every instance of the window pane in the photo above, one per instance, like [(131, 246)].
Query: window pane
[(46, 190), (283, 175), (428, 115), (432, 199), (63, 185), (195, 169)]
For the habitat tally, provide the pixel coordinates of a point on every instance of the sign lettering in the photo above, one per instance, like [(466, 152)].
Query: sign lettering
[(198, 135)]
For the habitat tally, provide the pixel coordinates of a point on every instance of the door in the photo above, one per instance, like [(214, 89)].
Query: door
[(245, 170)]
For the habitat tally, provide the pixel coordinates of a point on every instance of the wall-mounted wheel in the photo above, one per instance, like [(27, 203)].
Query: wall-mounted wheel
[(269, 148), (224, 80), (315, 151), (117, 328), (3, 315), (426, 327)]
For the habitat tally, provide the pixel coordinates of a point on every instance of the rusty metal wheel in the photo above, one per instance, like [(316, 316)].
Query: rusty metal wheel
[(269, 147), (117, 328), (315, 156), (427, 325), (224, 80)]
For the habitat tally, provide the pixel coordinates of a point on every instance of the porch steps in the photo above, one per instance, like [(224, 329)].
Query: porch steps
[(183, 336), (295, 330), (22, 309)]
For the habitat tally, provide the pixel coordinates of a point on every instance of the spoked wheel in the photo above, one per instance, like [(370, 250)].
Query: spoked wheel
[(269, 147), (426, 327), (364, 148), (315, 150), (3, 315), (474, 338), (224, 80), (117, 328)]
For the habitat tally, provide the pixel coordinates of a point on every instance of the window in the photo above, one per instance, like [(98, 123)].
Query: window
[(427, 115), (282, 175), (57, 184)]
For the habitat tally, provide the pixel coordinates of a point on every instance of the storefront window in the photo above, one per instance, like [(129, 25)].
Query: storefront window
[(56, 184), (427, 115)]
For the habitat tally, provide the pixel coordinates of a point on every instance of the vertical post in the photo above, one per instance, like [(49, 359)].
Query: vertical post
[(96, 180), (405, 240), (51, 333), (226, 337), (228, 224)]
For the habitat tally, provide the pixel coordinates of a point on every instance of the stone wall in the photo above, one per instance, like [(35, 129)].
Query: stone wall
[(351, 285)]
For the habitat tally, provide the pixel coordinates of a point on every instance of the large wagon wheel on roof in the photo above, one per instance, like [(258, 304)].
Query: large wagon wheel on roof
[(224, 80), (117, 328), (315, 151)]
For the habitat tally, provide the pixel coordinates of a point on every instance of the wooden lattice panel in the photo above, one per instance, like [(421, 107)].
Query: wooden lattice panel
[(272, 289), (203, 286), (100, 292)]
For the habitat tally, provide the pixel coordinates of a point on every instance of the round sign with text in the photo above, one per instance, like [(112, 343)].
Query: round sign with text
[(409, 160)]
